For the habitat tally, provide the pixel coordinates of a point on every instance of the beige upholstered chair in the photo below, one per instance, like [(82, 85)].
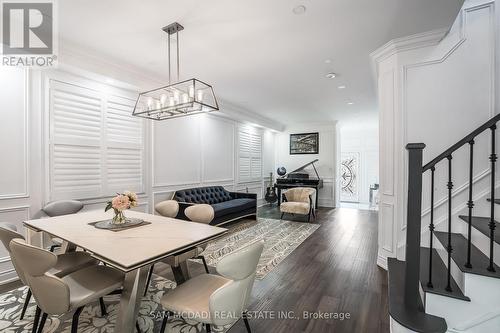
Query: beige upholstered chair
[(217, 300), (167, 208), (58, 208), (299, 201), (66, 263), (197, 213), (55, 295)]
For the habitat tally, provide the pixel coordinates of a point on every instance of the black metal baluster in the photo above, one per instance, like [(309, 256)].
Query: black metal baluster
[(449, 248), (470, 203), (431, 229), (493, 159)]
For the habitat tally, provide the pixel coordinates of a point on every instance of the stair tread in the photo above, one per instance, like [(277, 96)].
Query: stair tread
[(415, 320), (497, 201), (481, 224), (479, 260), (439, 276)]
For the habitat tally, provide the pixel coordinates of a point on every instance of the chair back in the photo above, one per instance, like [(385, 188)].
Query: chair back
[(201, 213), (62, 207), (299, 194), (167, 208), (50, 292), (232, 298), (9, 232)]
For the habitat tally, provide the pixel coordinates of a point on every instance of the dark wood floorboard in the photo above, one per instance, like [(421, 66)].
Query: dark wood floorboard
[(334, 270)]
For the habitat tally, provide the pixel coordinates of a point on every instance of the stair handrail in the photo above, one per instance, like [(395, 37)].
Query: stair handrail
[(462, 142)]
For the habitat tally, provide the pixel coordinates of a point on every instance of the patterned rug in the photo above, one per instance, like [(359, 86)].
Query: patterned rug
[(280, 239), (11, 304)]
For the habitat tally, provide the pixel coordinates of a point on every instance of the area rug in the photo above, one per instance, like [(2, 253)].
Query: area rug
[(11, 304), (280, 237)]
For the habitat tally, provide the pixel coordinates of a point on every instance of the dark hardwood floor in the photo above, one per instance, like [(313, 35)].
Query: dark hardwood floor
[(333, 271)]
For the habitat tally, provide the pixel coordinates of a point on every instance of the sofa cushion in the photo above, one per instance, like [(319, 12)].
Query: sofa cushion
[(203, 195), (233, 206)]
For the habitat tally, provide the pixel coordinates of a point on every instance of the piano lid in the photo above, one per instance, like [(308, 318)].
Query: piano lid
[(302, 168)]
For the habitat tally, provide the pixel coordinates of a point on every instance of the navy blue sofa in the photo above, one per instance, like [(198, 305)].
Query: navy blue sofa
[(228, 206)]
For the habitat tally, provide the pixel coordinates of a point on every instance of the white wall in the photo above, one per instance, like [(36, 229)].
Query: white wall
[(326, 166), (433, 90), (362, 139)]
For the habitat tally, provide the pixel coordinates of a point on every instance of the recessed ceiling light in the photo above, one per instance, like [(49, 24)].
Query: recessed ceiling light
[(328, 61), (350, 103), (299, 10), (331, 75), (341, 87)]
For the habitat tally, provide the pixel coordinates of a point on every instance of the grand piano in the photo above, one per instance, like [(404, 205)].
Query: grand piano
[(296, 178)]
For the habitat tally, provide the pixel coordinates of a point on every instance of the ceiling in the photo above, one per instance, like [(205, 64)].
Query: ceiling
[(258, 54)]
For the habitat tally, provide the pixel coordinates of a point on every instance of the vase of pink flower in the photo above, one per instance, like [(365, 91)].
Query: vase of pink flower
[(121, 203)]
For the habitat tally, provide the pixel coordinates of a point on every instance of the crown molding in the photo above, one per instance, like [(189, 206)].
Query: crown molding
[(408, 43)]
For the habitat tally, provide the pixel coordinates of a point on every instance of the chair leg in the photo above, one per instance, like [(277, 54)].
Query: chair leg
[(204, 264), (164, 322), (76, 317), (103, 307), (207, 326), (309, 217), (36, 320), (26, 303), (42, 323), (247, 325), (148, 281), (282, 214)]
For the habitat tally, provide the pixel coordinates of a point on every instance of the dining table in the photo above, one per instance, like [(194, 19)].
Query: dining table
[(132, 250)]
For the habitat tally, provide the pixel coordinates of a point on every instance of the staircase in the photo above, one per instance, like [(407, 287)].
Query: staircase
[(452, 282)]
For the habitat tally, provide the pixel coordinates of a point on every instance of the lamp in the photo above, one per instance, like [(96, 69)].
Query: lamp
[(177, 99)]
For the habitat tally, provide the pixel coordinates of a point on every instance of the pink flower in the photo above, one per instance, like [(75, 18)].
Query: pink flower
[(121, 202)]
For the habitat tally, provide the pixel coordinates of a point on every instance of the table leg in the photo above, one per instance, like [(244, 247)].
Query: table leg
[(130, 301), (68, 247), (181, 273)]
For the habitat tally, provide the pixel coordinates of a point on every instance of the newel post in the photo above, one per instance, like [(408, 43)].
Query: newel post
[(413, 224)]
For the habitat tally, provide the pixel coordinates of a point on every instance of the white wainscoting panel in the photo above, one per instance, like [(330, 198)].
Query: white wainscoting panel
[(13, 133), (176, 151), (217, 143)]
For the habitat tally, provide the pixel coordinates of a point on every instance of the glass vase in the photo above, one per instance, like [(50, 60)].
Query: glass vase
[(119, 217)]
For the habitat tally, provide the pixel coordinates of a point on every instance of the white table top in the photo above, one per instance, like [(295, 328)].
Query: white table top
[(131, 248)]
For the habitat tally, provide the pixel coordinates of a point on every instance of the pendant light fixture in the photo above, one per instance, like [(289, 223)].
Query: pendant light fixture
[(177, 99)]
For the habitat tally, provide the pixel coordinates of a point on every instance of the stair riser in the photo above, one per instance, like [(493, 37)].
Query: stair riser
[(484, 293)]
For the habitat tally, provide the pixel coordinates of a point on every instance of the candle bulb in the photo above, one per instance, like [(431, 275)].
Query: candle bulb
[(200, 96), (185, 98), (176, 96), (163, 99), (191, 91), (158, 105), (150, 103), (171, 101)]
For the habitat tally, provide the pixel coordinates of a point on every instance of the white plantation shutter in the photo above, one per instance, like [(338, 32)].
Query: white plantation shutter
[(249, 156), (95, 143)]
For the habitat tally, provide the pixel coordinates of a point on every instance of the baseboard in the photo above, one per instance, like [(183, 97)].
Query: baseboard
[(382, 262)]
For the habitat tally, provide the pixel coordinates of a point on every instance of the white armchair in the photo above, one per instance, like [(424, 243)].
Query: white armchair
[(299, 200)]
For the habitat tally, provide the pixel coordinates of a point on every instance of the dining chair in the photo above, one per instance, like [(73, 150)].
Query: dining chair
[(206, 296), (58, 295), (58, 208), (66, 263), (299, 201), (201, 213), (167, 208), (197, 213)]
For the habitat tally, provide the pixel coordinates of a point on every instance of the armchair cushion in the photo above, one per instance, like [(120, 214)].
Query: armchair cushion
[(301, 208)]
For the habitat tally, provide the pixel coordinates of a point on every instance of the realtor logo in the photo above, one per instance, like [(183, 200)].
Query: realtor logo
[(28, 33)]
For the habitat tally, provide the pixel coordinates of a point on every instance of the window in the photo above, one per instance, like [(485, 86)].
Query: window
[(96, 146), (249, 155)]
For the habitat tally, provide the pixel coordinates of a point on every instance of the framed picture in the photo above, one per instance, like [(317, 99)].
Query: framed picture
[(304, 143)]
